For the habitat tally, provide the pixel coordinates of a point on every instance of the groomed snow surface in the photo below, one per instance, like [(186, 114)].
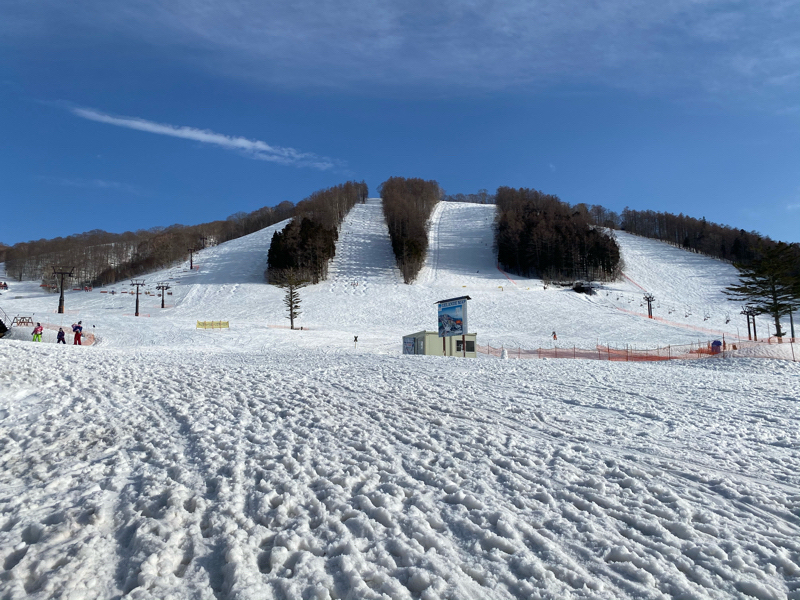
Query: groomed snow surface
[(263, 463)]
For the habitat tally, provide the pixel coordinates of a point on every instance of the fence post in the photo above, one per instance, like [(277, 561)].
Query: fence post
[(669, 352), (627, 353), (573, 350)]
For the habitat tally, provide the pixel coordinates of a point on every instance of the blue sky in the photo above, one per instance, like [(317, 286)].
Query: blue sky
[(123, 116)]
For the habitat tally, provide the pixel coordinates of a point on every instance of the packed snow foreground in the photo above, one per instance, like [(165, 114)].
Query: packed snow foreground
[(170, 462)]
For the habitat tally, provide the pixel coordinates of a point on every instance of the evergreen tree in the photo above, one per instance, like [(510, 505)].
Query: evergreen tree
[(768, 283), (291, 281)]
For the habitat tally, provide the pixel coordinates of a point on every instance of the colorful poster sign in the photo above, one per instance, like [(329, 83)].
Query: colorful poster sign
[(409, 345), (453, 317)]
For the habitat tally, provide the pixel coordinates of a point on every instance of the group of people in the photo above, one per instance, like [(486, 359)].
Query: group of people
[(77, 330), (3, 285)]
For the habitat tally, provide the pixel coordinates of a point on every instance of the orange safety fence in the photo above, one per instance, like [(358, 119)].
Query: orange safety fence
[(670, 352)]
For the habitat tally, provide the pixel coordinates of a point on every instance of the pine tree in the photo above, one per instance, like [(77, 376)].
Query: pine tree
[(768, 283), (291, 281)]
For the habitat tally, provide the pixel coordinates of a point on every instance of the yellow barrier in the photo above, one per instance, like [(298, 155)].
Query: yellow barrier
[(213, 325)]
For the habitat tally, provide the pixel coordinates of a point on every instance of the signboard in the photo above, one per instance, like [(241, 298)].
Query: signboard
[(453, 317), (408, 345)]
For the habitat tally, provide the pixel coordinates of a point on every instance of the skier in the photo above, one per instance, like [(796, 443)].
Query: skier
[(37, 332), (555, 337), (78, 330), (60, 337)]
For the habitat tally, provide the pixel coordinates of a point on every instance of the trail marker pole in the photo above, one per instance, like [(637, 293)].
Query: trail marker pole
[(63, 273), (138, 283), (191, 253)]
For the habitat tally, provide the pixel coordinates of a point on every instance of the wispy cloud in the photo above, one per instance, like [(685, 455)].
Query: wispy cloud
[(793, 206), (254, 149), (713, 48)]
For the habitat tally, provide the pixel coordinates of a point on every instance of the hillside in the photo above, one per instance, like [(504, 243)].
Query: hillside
[(258, 462)]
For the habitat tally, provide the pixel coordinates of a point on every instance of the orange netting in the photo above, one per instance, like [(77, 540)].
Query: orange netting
[(679, 352)]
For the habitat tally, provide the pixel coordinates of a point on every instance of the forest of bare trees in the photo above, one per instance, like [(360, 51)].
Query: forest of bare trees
[(697, 235), (99, 257), (482, 197), (538, 235), (407, 206), (306, 245)]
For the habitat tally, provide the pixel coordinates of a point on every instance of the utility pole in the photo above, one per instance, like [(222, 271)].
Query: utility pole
[(649, 298), (63, 273), (163, 287), (191, 252), (750, 313), (138, 283)]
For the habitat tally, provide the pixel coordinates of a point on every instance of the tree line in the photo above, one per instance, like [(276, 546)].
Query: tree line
[(305, 246), (482, 197), (769, 271), (100, 257), (538, 235), (407, 206), (696, 235)]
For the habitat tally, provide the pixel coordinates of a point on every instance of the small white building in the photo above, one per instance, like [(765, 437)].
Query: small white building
[(429, 343)]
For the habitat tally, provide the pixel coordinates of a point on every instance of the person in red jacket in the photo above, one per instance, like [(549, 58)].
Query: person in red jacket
[(37, 332)]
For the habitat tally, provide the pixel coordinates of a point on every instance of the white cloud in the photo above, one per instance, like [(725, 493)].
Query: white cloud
[(793, 206), (713, 48), (255, 149)]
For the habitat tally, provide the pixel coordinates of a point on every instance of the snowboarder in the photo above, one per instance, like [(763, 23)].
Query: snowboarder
[(78, 330), (60, 337), (37, 332)]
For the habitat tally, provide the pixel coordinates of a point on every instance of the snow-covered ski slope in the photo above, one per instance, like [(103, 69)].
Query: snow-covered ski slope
[(258, 462)]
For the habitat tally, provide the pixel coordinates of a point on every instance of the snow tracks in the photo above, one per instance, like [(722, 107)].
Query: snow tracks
[(364, 251), (151, 474)]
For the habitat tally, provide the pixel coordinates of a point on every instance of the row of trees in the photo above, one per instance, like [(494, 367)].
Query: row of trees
[(538, 235), (305, 246), (482, 197), (697, 235), (100, 257), (407, 206)]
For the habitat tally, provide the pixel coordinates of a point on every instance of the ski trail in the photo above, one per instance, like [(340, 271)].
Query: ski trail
[(364, 253)]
